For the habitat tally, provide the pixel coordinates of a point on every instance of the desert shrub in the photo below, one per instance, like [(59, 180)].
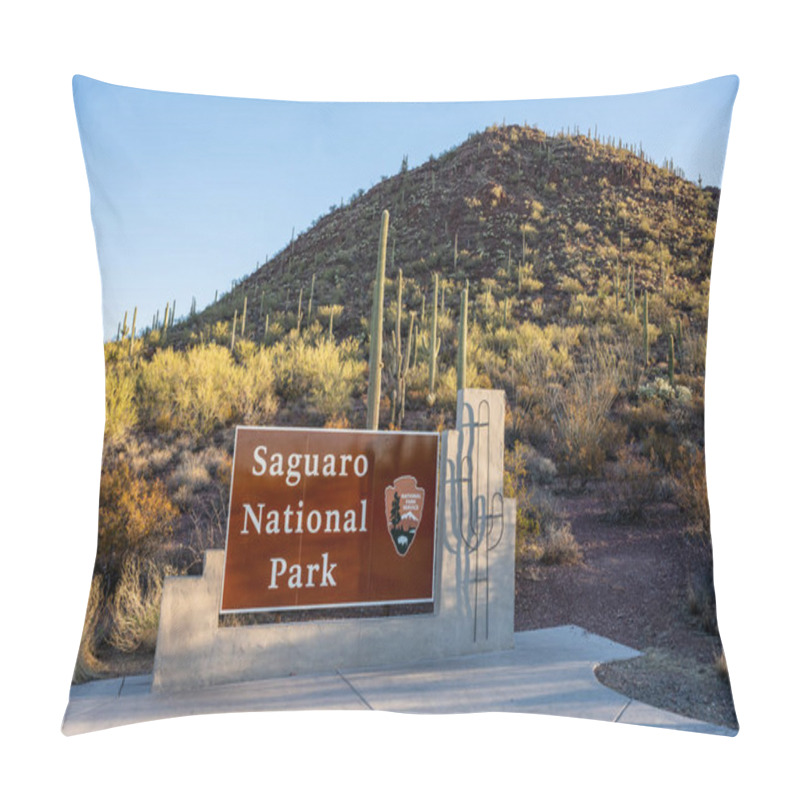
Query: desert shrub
[(662, 389), (541, 532), (515, 486), (189, 477), (148, 456), (121, 413), (189, 391), (243, 350), (253, 391), (649, 414), (88, 666), (658, 311), (632, 486), (134, 514), (538, 358), (694, 353), (135, 606), (530, 285), (570, 285), (203, 388), (325, 372), (221, 333), (557, 545), (691, 493), (516, 472), (501, 339), (566, 338), (580, 410), (210, 388)]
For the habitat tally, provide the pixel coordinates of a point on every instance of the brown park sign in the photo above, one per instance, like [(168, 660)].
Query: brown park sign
[(322, 518)]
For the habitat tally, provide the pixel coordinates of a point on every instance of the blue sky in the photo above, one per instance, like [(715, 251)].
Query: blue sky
[(189, 192)]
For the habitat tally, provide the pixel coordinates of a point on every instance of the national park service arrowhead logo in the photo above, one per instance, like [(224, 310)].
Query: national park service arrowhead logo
[(404, 502)]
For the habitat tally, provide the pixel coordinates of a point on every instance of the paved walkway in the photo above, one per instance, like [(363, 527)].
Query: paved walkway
[(549, 671)]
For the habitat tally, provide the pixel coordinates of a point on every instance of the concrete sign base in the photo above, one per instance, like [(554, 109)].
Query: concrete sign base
[(474, 592)]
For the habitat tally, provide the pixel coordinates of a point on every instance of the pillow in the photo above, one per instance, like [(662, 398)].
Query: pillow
[(404, 407)]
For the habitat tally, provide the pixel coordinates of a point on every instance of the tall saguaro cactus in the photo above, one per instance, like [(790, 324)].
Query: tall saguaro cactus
[(646, 334), (311, 297), (435, 342), (461, 370), (133, 329), (300, 309), (376, 330), (166, 325), (398, 321), (397, 342)]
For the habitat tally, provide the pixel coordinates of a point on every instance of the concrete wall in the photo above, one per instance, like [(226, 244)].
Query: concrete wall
[(474, 586)]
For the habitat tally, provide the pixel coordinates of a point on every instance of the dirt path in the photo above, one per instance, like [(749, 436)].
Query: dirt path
[(632, 588)]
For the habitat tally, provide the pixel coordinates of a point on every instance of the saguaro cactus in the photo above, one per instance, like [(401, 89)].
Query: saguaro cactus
[(397, 343), (398, 321), (461, 370), (671, 361), (133, 329), (404, 367), (300, 309), (646, 331), (435, 342), (311, 297), (376, 330), (166, 324), (401, 367)]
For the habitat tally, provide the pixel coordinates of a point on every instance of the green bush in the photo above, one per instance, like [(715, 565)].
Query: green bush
[(121, 413), (203, 388), (324, 372)]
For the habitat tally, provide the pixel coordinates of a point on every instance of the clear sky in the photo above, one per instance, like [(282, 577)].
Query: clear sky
[(189, 192)]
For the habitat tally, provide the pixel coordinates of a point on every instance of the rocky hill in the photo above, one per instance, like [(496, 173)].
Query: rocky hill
[(551, 222)]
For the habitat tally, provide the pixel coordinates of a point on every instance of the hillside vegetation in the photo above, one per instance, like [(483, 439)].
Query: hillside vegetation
[(587, 269)]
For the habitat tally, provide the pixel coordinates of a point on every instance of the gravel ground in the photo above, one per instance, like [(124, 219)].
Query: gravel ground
[(632, 587)]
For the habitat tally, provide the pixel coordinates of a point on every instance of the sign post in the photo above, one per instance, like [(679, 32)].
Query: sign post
[(324, 518), (328, 518)]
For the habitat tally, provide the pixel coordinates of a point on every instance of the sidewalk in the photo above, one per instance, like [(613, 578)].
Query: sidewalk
[(549, 671)]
